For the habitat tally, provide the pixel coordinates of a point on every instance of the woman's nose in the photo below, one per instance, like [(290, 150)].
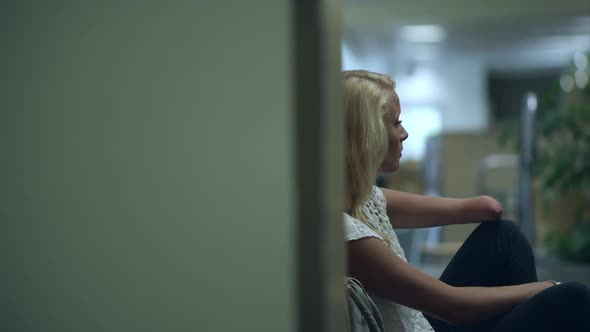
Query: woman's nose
[(405, 135)]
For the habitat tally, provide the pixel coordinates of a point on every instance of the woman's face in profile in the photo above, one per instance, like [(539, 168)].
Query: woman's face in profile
[(396, 135)]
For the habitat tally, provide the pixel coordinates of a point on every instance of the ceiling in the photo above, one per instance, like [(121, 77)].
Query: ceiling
[(506, 35), (386, 12)]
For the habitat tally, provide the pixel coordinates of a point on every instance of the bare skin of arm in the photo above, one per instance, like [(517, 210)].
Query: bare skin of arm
[(417, 211), (382, 272)]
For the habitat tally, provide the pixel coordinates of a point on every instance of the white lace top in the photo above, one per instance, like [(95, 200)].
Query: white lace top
[(396, 317)]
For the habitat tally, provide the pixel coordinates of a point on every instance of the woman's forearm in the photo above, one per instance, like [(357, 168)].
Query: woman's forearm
[(415, 211), (384, 273)]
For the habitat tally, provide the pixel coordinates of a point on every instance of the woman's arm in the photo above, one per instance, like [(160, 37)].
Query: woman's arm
[(415, 211), (385, 274)]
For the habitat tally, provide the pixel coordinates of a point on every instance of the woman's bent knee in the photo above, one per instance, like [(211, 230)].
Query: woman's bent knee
[(505, 233), (499, 226), (575, 292)]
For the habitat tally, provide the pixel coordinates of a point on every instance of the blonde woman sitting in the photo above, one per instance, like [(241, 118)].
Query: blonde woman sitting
[(489, 285)]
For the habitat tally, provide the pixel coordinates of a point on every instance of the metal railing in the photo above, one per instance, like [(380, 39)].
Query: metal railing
[(526, 164)]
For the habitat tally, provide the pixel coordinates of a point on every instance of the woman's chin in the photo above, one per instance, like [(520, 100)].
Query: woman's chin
[(389, 168)]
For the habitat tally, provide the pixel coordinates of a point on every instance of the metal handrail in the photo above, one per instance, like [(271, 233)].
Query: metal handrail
[(525, 171)]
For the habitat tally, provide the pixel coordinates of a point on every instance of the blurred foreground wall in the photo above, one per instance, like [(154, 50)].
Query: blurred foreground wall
[(147, 166)]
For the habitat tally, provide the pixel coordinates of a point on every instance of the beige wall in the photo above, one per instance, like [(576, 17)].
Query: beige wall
[(147, 167), (555, 215), (462, 155)]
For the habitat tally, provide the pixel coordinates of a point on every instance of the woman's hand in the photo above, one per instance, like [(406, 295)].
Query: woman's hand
[(482, 208), (540, 286)]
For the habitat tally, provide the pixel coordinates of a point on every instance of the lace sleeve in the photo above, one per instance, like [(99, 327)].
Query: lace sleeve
[(379, 200), (355, 229)]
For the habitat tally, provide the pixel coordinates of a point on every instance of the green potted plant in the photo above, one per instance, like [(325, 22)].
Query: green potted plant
[(563, 156), (562, 165)]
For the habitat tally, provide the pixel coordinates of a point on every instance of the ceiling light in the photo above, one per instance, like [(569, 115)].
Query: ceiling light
[(423, 33)]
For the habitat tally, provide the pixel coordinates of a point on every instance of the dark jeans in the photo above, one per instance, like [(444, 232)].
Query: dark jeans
[(497, 254)]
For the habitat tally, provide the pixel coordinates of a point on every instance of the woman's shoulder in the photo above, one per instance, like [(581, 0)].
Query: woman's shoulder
[(376, 205), (378, 197), (355, 229)]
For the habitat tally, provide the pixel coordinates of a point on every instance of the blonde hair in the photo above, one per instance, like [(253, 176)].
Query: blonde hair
[(367, 96)]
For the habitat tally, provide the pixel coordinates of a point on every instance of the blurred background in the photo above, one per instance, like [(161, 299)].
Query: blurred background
[(464, 72)]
